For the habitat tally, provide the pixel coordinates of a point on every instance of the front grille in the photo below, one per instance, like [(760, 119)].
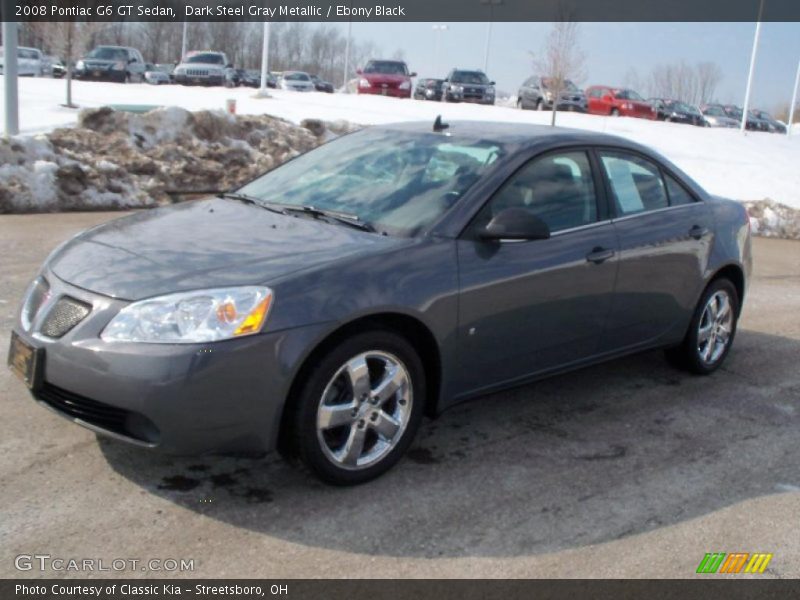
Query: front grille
[(65, 315), (111, 418), (197, 72)]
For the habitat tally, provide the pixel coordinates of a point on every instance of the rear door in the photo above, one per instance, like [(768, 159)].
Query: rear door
[(665, 237), (533, 306)]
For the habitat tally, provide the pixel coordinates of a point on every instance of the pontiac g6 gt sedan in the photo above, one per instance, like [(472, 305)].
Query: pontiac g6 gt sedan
[(325, 307)]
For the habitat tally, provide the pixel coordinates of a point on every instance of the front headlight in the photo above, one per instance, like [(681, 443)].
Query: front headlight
[(118, 66), (363, 83), (406, 85), (79, 65), (192, 317)]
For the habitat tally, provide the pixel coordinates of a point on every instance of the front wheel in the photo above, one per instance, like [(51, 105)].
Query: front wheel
[(359, 408), (711, 331)]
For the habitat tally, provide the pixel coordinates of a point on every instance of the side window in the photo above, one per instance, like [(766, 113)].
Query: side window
[(636, 184), (677, 193), (557, 188)]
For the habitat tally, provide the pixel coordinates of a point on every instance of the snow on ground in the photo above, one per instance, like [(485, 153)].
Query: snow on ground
[(751, 167)]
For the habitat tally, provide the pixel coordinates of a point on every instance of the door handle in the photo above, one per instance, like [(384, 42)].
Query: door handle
[(598, 255), (698, 232)]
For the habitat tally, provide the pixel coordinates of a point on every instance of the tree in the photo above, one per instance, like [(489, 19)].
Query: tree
[(563, 60), (69, 41)]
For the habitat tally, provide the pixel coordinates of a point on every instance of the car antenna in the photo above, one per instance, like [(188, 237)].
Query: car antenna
[(438, 125)]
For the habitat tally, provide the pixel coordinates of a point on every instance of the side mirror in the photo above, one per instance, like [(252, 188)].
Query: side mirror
[(229, 66), (359, 71), (414, 74), (607, 98), (516, 224), (491, 83)]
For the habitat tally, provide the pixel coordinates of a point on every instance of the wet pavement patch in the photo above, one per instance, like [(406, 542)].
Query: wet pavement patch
[(178, 483)]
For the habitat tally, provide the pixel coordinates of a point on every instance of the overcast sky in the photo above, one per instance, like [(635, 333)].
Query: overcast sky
[(611, 50)]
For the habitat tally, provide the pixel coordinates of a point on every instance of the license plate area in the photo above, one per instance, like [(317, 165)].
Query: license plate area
[(26, 361)]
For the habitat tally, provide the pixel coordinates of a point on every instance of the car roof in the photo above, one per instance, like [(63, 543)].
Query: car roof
[(517, 133)]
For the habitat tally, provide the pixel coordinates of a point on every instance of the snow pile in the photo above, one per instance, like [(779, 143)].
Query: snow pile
[(772, 219), (119, 160)]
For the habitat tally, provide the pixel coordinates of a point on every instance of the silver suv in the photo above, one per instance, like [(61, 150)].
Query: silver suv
[(205, 67), (537, 93)]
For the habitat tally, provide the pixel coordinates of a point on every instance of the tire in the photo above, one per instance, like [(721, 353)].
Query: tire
[(540, 104), (614, 112), (377, 430), (699, 356), (520, 106)]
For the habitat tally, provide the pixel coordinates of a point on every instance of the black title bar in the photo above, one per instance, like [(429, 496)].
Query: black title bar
[(402, 10)]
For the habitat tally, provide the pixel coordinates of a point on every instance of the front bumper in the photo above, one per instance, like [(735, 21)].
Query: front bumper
[(177, 398), (101, 75), (200, 79), (394, 92)]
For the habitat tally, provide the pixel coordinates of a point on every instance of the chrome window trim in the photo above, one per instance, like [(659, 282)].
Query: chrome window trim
[(652, 212)]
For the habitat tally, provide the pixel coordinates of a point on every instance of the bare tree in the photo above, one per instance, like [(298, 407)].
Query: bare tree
[(563, 59), (68, 40), (709, 75)]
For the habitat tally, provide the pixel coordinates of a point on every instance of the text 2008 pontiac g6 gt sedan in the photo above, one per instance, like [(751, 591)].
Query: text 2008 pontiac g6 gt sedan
[(324, 307)]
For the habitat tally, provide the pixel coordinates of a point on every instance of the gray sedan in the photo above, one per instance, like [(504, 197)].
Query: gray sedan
[(325, 307)]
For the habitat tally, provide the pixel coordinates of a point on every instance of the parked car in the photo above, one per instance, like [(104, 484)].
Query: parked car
[(462, 85), (249, 77), (385, 77), (205, 67), (55, 67), (296, 81), (30, 62), (112, 63), (676, 111), (736, 113), (537, 93), (773, 125), (428, 89), (342, 295), (155, 75), (715, 116), (321, 85), (617, 102)]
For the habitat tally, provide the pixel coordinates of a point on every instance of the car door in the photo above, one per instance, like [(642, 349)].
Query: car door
[(594, 100), (665, 235), (532, 306)]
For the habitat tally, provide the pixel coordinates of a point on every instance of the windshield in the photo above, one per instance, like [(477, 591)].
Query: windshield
[(566, 86), (296, 77), (734, 112), (105, 53), (24, 53), (397, 182), (473, 77), (208, 58), (386, 67), (628, 95)]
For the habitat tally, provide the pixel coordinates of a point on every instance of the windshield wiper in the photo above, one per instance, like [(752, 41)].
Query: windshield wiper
[(251, 200), (339, 217)]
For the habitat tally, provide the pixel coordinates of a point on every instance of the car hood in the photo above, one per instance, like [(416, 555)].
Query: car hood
[(200, 66), (385, 78), (203, 244)]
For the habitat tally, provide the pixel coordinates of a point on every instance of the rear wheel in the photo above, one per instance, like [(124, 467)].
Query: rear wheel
[(711, 331), (614, 112), (359, 408)]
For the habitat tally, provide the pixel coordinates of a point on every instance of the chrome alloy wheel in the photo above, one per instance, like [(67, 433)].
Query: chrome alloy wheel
[(364, 410), (715, 328)]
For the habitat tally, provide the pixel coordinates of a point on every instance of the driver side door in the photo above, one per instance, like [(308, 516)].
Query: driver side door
[(528, 307)]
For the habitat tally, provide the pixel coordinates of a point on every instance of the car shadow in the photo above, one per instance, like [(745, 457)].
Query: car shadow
[(587, 457)]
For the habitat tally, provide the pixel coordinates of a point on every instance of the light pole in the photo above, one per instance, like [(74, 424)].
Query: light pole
[(183, 41), (752, 69), (794, 100), (262, 91), (347, 54), (438, 29), (491, 4), (10, 73)]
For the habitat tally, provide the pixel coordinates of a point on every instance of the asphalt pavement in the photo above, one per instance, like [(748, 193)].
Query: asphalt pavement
[(628, 469)]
